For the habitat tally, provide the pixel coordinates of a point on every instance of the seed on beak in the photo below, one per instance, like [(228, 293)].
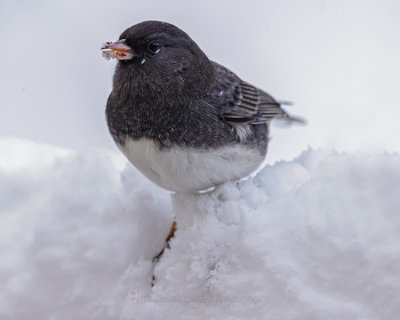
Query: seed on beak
[(117, 50)]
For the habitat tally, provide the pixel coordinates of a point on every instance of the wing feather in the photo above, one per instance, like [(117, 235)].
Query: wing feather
[(240, 102)]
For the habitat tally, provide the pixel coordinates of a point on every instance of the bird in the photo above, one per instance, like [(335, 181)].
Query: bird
[(186, 122)]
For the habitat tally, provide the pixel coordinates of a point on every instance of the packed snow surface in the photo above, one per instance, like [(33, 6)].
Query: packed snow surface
[(313, 238)]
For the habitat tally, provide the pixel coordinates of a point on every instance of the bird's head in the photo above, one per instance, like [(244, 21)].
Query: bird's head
[(160, 55)]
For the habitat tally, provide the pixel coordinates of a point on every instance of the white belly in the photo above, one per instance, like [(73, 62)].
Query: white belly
[(190, 170)]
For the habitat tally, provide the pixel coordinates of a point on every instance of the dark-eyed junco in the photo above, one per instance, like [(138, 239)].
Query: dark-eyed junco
[(187, 123)]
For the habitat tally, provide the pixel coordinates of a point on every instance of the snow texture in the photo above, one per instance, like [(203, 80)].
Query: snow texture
[(313, 238)]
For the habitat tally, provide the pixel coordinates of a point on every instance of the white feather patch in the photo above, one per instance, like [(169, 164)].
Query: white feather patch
[(242, 130), (189, 169)]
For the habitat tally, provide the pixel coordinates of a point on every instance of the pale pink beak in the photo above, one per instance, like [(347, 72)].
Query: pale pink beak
[(117, 50)]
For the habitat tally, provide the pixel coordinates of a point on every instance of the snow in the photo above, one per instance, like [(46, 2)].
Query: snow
[(317, 237)]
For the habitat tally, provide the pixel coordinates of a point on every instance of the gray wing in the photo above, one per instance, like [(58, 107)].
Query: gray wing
[(240, 102)]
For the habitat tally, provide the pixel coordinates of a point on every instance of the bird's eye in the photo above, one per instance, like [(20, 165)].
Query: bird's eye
[(154, 47)]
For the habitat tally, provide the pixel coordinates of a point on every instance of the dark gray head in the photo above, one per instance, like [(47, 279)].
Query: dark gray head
[(158, 58)]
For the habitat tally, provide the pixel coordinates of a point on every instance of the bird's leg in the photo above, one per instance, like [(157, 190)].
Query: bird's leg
[(158, 256), (169, 237)]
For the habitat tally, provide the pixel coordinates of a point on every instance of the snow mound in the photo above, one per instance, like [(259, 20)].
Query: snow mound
[(313, 238)]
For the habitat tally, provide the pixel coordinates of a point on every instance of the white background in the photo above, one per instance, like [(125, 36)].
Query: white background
[(338, 61)]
